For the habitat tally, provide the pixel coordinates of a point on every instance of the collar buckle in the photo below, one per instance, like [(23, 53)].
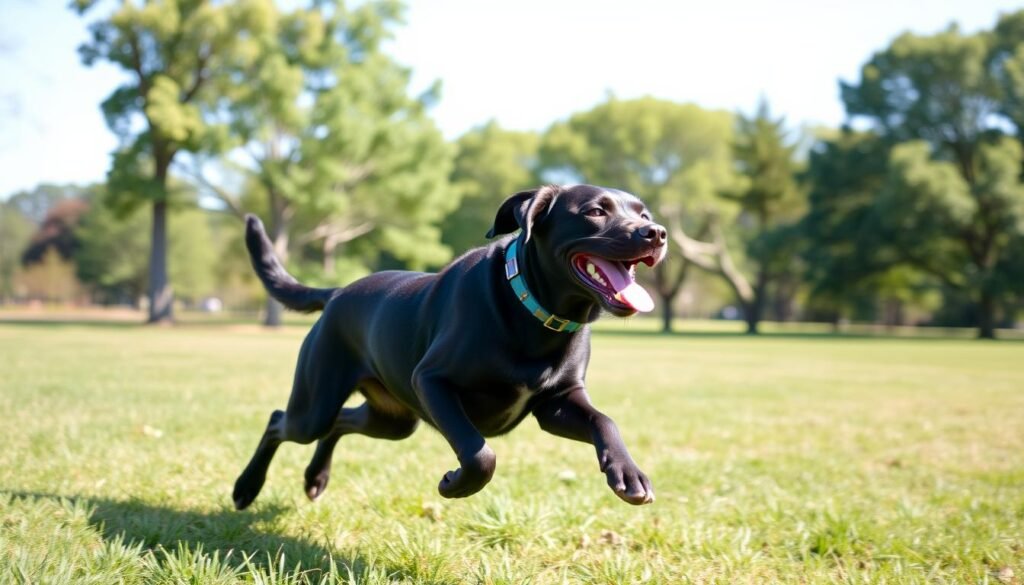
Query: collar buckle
[(556, 324)]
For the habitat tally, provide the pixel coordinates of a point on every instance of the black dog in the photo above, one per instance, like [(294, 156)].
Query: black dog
[(473, 349)]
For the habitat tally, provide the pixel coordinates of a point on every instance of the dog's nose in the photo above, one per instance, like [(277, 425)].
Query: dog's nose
[(655, 233)]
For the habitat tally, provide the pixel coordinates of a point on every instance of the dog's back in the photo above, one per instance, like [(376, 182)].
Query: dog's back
[(393, 313)]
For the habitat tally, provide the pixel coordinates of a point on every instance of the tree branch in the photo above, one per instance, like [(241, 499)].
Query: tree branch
[(200, 76), (693, 250), (714, 258), (229, 201), (133, 42), (926, 266), (739, 283), (339, 232)]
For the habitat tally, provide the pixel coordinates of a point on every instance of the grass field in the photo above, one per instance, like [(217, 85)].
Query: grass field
[(791, 458)]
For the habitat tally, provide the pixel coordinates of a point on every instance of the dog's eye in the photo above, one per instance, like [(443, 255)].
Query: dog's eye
[(645, 216), (595, 212)]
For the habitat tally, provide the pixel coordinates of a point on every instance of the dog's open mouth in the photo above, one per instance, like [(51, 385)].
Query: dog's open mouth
[(615, 281)]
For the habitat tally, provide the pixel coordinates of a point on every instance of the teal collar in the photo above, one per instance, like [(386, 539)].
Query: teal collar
[(515, 278)]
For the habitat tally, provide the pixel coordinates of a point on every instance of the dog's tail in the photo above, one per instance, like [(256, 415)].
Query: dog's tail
[(281, 285)]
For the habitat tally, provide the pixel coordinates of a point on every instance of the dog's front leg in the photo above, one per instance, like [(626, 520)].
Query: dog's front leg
[(572, 416), (476, 459)]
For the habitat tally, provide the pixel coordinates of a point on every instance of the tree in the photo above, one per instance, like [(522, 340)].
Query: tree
[(676, 157), (173, 52), (1005, 63), (844, 240), (953, 197), (770, 202), (51, 278), (111, 258), (492, 163), (112, 251), (56, 232), (15, 233), (331, 145), (194, 260)]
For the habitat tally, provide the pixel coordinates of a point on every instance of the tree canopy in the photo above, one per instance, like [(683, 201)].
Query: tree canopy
[(174, 53), (952, 204), (491, 164), (322, 132), (771, 203)]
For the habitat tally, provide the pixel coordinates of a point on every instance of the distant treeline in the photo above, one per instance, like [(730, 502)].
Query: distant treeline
[(913, 213)]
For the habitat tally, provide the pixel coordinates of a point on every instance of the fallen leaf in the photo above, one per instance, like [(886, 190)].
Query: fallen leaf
[(432, 511), (611, 538)]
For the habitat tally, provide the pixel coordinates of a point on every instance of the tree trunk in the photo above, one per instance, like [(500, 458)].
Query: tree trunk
[(667, 313), (753, 310), (161, 295), (835, 320), (279, 237), (274, 312), (986, 316), (752, 317), (785, 291), (893, 313), (330, 247), (668, 288)]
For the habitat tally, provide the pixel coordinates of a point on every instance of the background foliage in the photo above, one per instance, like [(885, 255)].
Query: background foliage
[(912, 213)]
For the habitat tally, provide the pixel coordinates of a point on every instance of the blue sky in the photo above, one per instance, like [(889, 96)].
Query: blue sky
[(525, 64)]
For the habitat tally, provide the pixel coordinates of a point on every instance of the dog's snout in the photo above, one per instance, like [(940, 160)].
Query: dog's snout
[(653, 232)]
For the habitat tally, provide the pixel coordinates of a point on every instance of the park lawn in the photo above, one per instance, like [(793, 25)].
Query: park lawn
[(791, 458)]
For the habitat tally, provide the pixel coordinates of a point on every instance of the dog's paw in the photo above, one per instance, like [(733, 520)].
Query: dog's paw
[(316, 483), (629, 483), (471, 477), (246, 490)]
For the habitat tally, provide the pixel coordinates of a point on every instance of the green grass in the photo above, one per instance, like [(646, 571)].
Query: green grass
[(797, 458)]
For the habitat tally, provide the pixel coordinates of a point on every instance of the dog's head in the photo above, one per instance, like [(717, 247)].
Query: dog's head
[(595, 235)]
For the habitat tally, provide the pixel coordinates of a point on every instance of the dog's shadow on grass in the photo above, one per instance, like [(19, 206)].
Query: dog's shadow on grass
[(231, 534)]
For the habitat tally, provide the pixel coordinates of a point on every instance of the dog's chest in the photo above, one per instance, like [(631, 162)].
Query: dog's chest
[(515, 410), (498, 412)]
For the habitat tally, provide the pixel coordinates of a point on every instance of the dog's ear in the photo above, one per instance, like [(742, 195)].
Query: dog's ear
[(522, 210)]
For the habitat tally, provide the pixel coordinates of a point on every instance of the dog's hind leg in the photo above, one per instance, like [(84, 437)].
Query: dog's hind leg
[(250, 482), (313, 408), (363, 420), (283, 426)]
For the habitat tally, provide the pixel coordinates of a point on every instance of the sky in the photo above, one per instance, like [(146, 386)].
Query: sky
[(524, 64)]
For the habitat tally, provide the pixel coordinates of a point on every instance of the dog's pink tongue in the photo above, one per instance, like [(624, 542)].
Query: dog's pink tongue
[(626, 289)]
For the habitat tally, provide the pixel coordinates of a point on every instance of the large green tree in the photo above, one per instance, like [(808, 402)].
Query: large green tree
[(328, 141), (853, 268), (676, 157), (174, 53), (770, 202), (844, 242), (953, 201), (491, 164)]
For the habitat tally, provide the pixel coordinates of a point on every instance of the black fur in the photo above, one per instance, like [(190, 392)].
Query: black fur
[(457, 349)]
